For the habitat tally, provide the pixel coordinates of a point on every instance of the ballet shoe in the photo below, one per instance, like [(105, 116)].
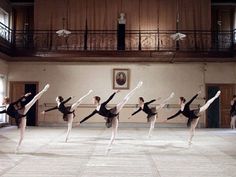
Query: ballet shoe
[(46, 87), (172, 95), (190, 143), (218, 93), (90, 91), (140, 84)]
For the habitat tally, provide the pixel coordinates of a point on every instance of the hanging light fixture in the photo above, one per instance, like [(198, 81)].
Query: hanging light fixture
[(177, 36), (63, 32)]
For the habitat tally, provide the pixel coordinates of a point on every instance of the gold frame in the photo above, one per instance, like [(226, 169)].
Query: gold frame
[(125, 72)]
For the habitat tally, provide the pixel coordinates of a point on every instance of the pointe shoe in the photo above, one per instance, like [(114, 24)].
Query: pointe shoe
[(172, 95), (140, 84), (190, 143), (46, 87), (218, 93), (90, 91)]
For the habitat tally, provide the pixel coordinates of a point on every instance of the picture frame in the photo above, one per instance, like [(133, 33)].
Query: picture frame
[(121, 78)]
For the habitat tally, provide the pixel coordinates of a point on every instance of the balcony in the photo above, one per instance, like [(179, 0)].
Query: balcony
[(144, 44)]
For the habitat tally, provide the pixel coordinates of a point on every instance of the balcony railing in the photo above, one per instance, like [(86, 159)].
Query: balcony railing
[(106, 40)]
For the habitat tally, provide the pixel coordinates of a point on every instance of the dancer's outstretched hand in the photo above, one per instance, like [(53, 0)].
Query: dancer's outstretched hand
[(159, 98), (165, 120), (43, 112), (117, 91), (129, 117), (199, 92)]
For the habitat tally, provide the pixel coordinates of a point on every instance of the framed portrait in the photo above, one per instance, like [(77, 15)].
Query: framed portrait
[(121, 78)]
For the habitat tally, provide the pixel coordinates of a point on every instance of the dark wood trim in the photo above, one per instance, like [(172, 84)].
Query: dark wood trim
[(124, 56), (206, 91)]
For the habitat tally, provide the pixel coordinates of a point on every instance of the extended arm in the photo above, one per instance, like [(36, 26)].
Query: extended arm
[(68, 99), (190, 101), (136, 111), (109, 99), (86, 118), (50, 109), (175, 115), (150, 102), (3, 111)]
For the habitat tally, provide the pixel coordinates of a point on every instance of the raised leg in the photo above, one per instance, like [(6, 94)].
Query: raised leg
[(36, 97), (208, 103), (77, 103), (165, 101), (120, 105)]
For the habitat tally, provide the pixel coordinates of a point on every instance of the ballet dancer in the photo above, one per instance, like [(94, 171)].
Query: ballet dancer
[(233, 112), (11, 109), (20, 114), (67, 111), (151, 112), (111, 115), (193, 115)]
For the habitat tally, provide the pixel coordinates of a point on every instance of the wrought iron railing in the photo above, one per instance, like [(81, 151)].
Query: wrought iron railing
[(106, 40)]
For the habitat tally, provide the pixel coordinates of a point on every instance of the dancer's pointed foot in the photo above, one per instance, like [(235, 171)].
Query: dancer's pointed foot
[(172, 95), (90, 91), (190, 143), (218, 94), (46, 87), (140, 84)]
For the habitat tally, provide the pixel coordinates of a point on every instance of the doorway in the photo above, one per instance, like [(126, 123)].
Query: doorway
[(17, 89), (217, 115)]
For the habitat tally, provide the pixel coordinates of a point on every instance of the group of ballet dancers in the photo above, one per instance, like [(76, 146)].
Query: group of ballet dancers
[(111, 116)]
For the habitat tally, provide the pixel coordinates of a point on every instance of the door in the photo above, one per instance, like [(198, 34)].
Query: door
[(226, 96), (18, 89), (213, 112), (218, 113)]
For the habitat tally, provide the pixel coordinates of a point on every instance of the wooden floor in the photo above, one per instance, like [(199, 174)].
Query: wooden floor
[(45, 154)]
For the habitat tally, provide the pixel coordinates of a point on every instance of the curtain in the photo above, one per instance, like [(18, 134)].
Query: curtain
[(140, 15)]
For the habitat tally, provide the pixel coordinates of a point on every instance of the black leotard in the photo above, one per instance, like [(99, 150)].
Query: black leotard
[(146, 109), (65, 110), (190, 114), (103, 111), (233, 109)]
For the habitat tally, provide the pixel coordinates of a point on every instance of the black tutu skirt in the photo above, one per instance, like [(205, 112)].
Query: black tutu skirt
[(66, 116), (108, 120), (151, 117)]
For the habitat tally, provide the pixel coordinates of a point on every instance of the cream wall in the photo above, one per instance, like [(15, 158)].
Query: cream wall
[(76, 79), (3, 67)]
